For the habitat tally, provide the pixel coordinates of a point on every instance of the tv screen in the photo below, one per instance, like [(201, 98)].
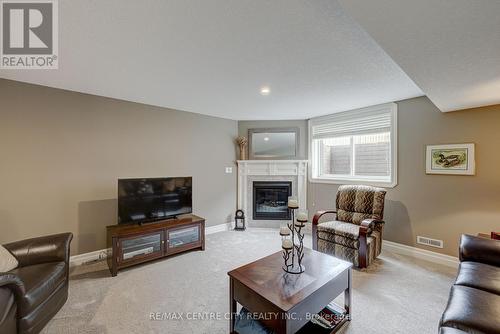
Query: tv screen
[(152, 199)]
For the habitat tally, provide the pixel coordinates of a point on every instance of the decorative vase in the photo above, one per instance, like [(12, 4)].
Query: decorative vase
[(242, 143)]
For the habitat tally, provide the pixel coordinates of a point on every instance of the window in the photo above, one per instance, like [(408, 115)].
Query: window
[(357, 146)]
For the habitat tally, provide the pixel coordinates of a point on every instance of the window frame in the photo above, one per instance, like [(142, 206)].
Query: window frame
[(368, 180)]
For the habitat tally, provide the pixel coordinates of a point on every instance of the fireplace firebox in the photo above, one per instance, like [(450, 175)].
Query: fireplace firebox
[(270, 200)]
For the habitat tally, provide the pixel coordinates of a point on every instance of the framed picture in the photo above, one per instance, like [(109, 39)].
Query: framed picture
[(455, 159)]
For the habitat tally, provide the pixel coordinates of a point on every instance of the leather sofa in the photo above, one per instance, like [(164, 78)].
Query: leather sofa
[(474, 302), (31, 294)]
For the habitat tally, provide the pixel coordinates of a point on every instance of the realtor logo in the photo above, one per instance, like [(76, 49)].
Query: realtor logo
[(29, 34)]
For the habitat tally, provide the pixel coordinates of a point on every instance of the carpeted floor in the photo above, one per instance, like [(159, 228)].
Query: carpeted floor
[(397, 294)]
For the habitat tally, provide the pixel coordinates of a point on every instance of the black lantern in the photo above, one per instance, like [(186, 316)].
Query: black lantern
[(239, 220)]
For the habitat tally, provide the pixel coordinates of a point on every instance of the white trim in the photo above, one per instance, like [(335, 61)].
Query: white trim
[(250, 171), (354, 181), (347, 180), (218, 228), (78, 260), (423, 254), (269, 161)]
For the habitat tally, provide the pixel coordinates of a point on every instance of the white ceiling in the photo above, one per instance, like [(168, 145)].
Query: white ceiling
[(450, 48), (212, 57)]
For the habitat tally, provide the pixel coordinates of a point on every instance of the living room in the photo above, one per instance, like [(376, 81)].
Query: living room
[(250, 167)]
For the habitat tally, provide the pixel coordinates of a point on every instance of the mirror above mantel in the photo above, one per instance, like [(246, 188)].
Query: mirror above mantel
[(273, 143)]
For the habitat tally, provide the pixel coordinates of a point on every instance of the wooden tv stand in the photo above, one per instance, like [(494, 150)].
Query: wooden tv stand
[(131, 244)]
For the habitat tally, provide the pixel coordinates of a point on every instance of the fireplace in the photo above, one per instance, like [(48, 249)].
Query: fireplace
[(270, 200), (273, 171)]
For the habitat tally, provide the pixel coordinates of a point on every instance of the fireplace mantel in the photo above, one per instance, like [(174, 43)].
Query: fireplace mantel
[(267, 170)]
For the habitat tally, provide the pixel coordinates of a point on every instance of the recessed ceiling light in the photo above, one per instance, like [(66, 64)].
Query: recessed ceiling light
[(265, 90), (266, 138)]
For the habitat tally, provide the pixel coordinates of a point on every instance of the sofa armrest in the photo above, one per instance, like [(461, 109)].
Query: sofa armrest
[(50, 248), (478, 249), (13, 282)]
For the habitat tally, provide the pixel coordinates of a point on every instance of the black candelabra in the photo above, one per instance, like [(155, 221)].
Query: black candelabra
[(293, 253)]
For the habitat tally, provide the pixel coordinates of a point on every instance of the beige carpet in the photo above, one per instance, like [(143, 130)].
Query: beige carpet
[(397, 294)]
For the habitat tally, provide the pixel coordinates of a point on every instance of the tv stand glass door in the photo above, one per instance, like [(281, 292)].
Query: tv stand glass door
[(141, 247), (181, 238), (131, 244)]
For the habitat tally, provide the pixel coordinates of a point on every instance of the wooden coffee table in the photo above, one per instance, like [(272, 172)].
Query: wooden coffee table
[(284, 302)]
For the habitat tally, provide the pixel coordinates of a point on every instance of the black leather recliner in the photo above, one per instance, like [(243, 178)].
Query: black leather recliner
[(31, 294), (474, 303)]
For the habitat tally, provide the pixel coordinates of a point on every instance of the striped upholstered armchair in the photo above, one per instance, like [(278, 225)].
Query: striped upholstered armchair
[(356, 233)]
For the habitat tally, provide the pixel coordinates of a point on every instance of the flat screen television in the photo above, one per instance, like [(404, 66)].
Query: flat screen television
[(152, 199)]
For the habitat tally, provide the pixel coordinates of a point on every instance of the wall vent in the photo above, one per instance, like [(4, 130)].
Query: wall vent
[(429, 242)]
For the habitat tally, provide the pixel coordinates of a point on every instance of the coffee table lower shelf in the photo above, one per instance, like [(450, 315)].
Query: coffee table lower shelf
[(285, 303), (336, 318), (333, 314)]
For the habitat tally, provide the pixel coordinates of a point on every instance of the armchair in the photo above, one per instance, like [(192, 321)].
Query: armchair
[(355, 234), (31, 294)]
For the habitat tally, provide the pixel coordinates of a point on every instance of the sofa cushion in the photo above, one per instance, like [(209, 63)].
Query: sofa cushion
[(478, 249), (346, 234), (40, 281), (343, 229), (338, 246), (7, 311), (357, 203), (480, 276), (35, 321), (449, 330), (7, 260), (472, 310), (338, 239)]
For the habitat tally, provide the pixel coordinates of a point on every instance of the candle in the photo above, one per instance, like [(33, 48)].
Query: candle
[(293, 203), (302, 216), (287, 244), (284, 230)]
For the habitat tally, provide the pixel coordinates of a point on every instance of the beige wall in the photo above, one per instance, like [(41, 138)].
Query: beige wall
[(62, 152), (438, 206), (243, 127)]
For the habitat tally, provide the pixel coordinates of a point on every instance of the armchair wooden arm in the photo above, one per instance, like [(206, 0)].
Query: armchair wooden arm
[(364, 230), (315, 222)]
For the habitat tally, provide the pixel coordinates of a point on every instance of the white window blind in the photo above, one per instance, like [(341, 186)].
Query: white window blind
[(352, 123), (357, 146)]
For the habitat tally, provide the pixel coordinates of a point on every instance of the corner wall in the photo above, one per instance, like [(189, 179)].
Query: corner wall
[(437, 206), (62, 152)]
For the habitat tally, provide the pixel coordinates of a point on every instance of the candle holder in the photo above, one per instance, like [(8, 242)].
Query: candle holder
[(294, 253)]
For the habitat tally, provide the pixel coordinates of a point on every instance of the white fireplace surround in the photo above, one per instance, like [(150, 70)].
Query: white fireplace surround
[(269, 170)]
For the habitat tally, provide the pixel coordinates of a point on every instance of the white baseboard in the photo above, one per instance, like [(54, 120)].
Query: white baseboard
[(423, 254), (446, 260), (78, 260), (218, 228)]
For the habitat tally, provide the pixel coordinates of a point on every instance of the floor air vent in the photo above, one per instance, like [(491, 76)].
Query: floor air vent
[(429, 242)]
